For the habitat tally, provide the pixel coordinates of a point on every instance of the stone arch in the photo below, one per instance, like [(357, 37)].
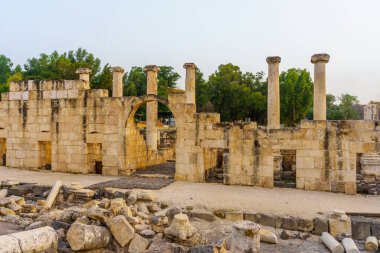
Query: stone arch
[(132, 135)]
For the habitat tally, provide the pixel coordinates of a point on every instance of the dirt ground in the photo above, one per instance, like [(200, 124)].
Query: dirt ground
[(277, 201)]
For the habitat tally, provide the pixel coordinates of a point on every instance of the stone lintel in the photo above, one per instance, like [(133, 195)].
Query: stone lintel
[(154, 68), (117, 69), (189, 66), (273, 59), (320, 58)]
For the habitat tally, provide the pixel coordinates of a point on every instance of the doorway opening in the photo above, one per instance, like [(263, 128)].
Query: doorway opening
[(45, 155), (285, 174), (95, 158), (3, 151), (214, 164)]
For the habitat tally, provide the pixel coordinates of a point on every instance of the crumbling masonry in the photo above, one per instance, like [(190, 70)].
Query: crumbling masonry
[(66, 126)]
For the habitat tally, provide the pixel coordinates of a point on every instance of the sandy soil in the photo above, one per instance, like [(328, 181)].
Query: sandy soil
[(275, 201)]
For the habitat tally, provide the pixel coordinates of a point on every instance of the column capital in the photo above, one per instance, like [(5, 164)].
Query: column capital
[(189, 66), (273, 59), (154, 68), (320, 58), (117, 69), (83, 71)]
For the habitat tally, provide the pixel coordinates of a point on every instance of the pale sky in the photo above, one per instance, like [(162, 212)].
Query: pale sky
[(207, 32)]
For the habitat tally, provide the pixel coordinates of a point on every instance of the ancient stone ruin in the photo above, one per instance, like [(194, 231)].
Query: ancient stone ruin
[(65, 126)]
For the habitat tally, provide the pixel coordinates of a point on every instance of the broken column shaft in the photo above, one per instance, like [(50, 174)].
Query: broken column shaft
[(151, 107), (190, 82), (273, 114), (319, 105), (84, 74), (117, 87)]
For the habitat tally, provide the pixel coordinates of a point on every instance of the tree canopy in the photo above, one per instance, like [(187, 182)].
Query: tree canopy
[(344, 109), (296, 89)]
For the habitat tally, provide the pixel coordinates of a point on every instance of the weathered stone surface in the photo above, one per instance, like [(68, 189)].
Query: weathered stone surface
[(53, 194), (234, 216), (171, 212), (121, 229), (305, 225), (147, 195), (267, 236), (15, 208), (350, 246), (268, 220), (3, 193), (9, 244), (142, 208), (132, 198), (87, 237), (361, 227), (252, 216), (202, 213), (17, 199), (320, 225), (339, 227), (333, 245), (180, 228), (36, 240), (245, 237), (147, 233), (371, 243), (37, 224), (138, 244), (289, 223), (375, 228), (6, 211), (97, 213)]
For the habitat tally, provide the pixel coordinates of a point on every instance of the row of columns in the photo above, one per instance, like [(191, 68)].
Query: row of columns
[(319, 105)]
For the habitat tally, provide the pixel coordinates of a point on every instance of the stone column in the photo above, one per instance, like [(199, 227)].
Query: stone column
[(319, 106), (117, 87), (84, 74), (273, 115), (151, 107), (190, 82)]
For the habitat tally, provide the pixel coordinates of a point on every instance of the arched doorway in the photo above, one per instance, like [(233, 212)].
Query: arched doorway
[(140, 159)]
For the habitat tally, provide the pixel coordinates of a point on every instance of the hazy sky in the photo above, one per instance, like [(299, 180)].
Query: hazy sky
[(207, 32)]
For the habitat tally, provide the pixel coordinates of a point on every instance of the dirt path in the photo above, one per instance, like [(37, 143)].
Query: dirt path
[(275, 201)]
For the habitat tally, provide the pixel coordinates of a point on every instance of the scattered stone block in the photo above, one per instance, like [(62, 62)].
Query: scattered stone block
[(333, 245), (132, 198), (53, 194), (147, 233), (36, 240), (350, 246), (3, 193), (121, 229), (202, 213), (180, 228), (267, 236), (138, 244), (99, 214), (142, 208), (371, 243), (171, 212), (245, 237), (6, 211), (146, 195), (36, 224), (339, 223), (88, 237)]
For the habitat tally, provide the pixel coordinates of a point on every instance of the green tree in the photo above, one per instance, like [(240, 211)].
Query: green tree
[(235, 95), (296, 89), (136, 77), (64, 66), (344, 110), (5, 69)]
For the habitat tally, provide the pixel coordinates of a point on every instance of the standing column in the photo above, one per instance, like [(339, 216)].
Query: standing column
[(151, 107), (117, 87), (190, 82), (319, 106), (273, 115), (84, 74)]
